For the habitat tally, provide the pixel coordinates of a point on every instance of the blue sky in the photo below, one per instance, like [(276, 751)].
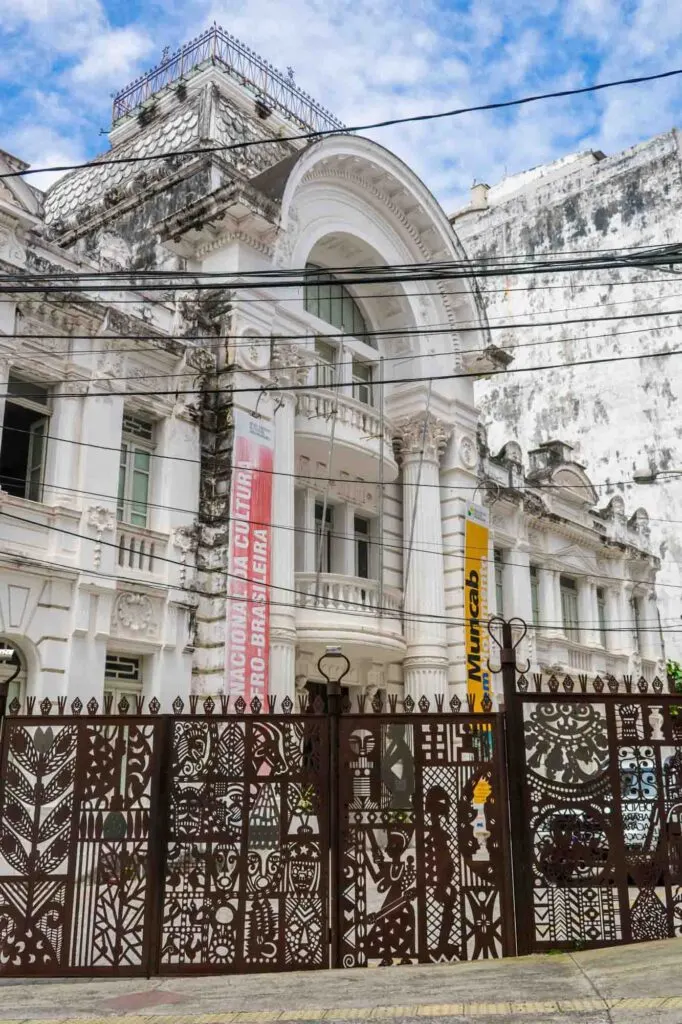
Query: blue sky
[(60, 60)]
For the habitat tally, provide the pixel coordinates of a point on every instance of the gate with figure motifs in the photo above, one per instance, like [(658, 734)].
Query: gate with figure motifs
[(595, 787), (235, 839)]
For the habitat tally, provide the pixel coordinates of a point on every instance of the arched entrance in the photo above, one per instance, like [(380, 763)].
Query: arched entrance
[(12, 674)]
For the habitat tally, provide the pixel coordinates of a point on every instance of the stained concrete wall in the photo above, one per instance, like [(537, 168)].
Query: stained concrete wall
[(617, 415)]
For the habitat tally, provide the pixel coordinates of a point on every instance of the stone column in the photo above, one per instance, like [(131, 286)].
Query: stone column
[(288, 366), (4, 378), (62, 456), (425, 666), (651, 641), (517, 594), (550, 602), (587, 613), (626, 625), (614, 619)]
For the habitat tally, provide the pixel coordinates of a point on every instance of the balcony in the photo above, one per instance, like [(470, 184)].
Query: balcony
[(140, 550), (359, 441), (348, 610)]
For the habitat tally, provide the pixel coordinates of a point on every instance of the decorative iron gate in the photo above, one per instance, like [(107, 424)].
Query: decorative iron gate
[(423, 839), (247, 844), (597, 811), (249, 841), (78, 808)]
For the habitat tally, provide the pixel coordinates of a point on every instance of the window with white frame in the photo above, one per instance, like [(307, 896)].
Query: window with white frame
[(123, 678), (362, 382), (499, 586), (325, 368), (569, 607), (601, 615), (636, 604), (25, 429), (362, 547), (329, 300), (535, 594), (12, 674), (137, 447), (324, 524)]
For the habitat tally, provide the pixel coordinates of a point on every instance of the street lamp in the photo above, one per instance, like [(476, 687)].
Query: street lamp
[(645, 475), (334, 666)]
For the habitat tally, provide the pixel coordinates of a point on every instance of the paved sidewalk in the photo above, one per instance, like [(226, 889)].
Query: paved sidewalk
[(627, 985)]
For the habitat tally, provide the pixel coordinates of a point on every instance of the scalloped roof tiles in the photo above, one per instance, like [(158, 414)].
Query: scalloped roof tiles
[(89, 184)]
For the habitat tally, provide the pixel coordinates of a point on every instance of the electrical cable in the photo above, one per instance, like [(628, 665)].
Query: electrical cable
[(388, 332), (399, 549), (459, 375), (421, 617), (390, 122), (170, 281), (541, 485)]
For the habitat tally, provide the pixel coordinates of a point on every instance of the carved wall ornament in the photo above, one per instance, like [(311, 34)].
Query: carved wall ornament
[(252, 350), (467, 452), (184, 539), (102, 520), (10, 247), (421, 432), (290, 364), (134, 612)]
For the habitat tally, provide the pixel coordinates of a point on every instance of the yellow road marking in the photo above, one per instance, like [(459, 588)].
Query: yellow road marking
[(315, 1014)]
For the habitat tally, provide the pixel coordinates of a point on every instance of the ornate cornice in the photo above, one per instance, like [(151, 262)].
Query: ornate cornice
[(290, 364), (421, 432), (320, 173), (235, 236)]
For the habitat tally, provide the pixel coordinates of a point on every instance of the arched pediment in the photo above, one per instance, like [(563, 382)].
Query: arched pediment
[(577, 559), (572, 483), (352, 187)]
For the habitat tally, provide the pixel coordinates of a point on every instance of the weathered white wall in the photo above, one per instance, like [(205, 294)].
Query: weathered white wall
[(617, 415)]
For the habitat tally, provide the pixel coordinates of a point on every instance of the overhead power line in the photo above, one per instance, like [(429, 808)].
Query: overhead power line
[(360, 605), (392, 547), (335, 386), (467, 269), (371, 126), (388, 332)]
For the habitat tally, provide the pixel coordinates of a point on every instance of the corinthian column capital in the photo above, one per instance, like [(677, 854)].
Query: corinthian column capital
[(290, 364), (421, 432)]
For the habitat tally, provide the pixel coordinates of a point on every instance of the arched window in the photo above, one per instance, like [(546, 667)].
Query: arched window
[(12, 674), (331, 301)]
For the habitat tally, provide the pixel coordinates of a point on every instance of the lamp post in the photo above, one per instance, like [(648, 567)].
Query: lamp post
[(645, 475), (334, 666), (8, 655)]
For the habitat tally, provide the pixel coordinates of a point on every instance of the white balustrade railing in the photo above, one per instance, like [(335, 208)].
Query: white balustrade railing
[(356, 415), (138, 549), (347, 593)]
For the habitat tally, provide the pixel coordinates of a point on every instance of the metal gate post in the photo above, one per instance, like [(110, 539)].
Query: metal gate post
[(337, 667), (158, 842), (516, 770)]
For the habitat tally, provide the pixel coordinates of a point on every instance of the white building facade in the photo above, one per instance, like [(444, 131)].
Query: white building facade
[(623, 416), (581, 577), (116, 575), (96, 539)]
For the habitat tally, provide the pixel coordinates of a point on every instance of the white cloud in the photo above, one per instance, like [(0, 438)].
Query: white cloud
[(111, 57), (42, 147), (366, 62)]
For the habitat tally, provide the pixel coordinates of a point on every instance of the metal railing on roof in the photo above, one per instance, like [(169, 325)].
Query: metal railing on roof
[(218, 47)]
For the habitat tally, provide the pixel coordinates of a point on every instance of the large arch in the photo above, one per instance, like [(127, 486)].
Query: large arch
[(345, 187)]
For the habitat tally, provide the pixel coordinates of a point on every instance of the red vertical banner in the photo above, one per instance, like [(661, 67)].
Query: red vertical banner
[(247, 631)]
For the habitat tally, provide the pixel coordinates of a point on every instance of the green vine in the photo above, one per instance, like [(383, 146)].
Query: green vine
[(675, 679), (305, 800)]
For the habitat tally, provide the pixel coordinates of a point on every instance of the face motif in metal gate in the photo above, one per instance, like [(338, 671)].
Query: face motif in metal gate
[(421, 851), (604, 789)]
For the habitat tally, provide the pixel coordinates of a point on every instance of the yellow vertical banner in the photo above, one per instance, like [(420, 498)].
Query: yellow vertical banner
[(476, 534)]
